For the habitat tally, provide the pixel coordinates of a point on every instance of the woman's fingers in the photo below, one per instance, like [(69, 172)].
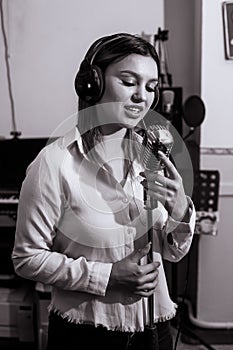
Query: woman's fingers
[(171, 169), (147, 288), (149, 279)]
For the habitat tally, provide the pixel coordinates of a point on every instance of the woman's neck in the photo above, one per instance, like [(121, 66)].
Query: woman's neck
[(111, 150), (112, 143), (113, 129)]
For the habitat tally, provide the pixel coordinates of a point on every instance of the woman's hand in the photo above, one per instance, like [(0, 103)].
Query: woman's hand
[(138, 279), (168, 190)]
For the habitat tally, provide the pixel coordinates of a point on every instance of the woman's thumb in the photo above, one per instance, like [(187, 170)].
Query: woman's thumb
[(138, 254)]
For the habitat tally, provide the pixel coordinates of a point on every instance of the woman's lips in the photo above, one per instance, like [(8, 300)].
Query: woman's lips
[(133, 111)]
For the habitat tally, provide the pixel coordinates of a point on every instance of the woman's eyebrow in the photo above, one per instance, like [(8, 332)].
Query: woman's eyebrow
[(136, 75)]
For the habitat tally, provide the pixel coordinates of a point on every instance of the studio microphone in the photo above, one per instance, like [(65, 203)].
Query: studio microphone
[(168, 104), (156, 138)]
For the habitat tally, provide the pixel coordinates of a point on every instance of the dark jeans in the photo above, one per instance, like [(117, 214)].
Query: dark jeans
[(64, 335)]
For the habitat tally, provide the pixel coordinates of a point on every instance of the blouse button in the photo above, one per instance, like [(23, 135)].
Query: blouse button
[(130, 231), (125, 200)]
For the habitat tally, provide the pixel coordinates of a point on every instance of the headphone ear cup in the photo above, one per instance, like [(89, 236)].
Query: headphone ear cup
[(99, 83), (89, 83)]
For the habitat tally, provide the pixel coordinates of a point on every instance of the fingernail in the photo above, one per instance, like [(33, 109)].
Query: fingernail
[(161, 153)]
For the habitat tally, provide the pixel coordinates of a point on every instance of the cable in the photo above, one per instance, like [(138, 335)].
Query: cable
[(191, 131), (168, 74), (14, 132), (183, 302)]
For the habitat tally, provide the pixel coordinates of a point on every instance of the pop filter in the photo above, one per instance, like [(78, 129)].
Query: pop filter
[(194, 111)]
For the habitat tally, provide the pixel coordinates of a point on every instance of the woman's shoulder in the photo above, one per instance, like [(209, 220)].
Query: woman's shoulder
[(54, 152)]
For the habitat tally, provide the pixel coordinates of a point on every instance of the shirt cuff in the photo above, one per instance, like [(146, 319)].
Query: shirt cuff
[(178, 232), (188, 217), (99, 277)]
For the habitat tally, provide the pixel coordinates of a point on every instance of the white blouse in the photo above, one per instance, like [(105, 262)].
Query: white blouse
[(75, 220)]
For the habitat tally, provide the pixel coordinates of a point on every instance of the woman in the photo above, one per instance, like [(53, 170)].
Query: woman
[(82, 224)]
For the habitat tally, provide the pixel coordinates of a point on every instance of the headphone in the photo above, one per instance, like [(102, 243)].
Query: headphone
[(89, 80)]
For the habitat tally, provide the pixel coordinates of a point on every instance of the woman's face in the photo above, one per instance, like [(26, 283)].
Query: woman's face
[(129, 92)]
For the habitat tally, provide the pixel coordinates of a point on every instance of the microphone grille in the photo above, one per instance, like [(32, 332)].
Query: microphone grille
[(157, 138), (168, 96)]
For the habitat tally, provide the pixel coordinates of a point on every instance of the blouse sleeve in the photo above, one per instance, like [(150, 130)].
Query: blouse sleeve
[(40, 208), (177, 236)]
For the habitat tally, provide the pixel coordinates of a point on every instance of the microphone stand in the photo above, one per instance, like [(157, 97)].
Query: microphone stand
[(156, 137), (151, 335)]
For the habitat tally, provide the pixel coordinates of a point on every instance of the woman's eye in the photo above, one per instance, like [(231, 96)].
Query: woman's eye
[(128, 83)]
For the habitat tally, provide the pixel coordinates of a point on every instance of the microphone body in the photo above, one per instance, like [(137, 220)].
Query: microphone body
[(156, 138)]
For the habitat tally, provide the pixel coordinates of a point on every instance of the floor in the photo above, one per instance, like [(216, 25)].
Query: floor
[(182, 345)]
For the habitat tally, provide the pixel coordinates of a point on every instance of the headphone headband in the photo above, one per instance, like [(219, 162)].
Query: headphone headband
[(101, 43)]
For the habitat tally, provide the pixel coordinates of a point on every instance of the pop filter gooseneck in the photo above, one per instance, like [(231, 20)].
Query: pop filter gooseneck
[(193, 113)]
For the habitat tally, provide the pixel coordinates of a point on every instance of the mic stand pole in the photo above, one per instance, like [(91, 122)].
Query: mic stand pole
[(151, 335)]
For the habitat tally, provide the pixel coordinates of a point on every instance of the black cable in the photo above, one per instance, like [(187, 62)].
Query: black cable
[(168, 74), (191, 131), (183, 302), (193, 334), (14, 132)]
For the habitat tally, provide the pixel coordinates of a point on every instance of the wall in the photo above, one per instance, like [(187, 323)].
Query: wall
[(217, 76), (47, 41), (215, 257), (215, 287), (182, 20)]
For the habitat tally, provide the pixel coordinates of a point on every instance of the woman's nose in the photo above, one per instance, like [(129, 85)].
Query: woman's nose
[(139, 95)]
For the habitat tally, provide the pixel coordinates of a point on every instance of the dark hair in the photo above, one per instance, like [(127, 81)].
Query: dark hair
[(113, 48), (102, 53), (116, 47)]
